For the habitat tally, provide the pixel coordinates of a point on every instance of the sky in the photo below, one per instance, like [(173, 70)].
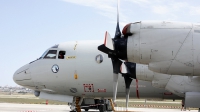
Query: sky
[(29, 27)]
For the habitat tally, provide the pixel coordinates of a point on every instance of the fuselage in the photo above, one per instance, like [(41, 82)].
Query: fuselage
[(84, 71)]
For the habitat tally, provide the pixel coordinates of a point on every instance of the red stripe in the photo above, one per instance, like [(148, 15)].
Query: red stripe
[(168, 93), (124, 31), (105, 38), (137, 91)]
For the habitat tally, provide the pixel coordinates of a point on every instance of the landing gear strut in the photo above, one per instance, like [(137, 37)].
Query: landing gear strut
[(90, 103), (75, 107), (102, 106)]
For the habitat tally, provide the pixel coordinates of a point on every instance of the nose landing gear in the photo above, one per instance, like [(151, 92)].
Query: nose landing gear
[(75, 107), (78, 107), (90, 103)]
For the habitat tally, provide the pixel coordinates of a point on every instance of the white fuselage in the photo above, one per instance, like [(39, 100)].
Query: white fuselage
[(80, 74)]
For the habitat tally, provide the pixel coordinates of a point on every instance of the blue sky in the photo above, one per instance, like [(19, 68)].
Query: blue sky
[(29, 27)]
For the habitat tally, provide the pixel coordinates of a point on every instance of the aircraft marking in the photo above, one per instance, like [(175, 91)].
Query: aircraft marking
[(75, 76), (168, 93), (99, 58), (55, 68), (75, 46), (101, 90), (71, 57), (88, 87)]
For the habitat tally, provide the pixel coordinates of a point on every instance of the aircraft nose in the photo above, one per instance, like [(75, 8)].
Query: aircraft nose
[(23, 76)]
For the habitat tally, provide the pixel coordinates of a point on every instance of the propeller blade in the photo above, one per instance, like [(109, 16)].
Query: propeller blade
[(104, 49), (117, 49), (117, 31), (115, 85), (116, 69), (108, 42), (130, 69), (127, 97), (128, 81), (116, 65), (123, 69), (118, 11)]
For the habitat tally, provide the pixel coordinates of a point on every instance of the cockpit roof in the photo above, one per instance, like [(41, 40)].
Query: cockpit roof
[(55, 46)]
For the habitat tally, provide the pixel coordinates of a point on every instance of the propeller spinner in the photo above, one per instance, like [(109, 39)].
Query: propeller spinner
[(116, 49)]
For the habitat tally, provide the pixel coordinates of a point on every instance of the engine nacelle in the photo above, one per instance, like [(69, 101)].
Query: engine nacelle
[(159, 83), (143, 73), (192, 99), (160, 80), (179, 85), (167, 47)]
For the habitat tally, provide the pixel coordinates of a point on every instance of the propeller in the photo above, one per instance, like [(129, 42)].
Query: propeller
[(128, 71), (116, 49)]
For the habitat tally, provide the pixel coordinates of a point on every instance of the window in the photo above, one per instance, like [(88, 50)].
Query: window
[(61, 55), (43, 54), (51, 54)]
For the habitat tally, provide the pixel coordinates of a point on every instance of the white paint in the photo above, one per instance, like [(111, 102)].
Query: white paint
[(57, 97)]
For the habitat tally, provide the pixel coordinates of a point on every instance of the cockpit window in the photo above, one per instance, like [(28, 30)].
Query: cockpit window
[(43, 54), (51, 54), (61, 55)]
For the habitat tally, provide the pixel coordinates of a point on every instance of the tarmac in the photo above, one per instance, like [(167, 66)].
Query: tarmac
[(12, 107)]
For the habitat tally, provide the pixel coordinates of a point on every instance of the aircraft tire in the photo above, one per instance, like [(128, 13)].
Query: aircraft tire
[(86, 109), (102, 108)]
